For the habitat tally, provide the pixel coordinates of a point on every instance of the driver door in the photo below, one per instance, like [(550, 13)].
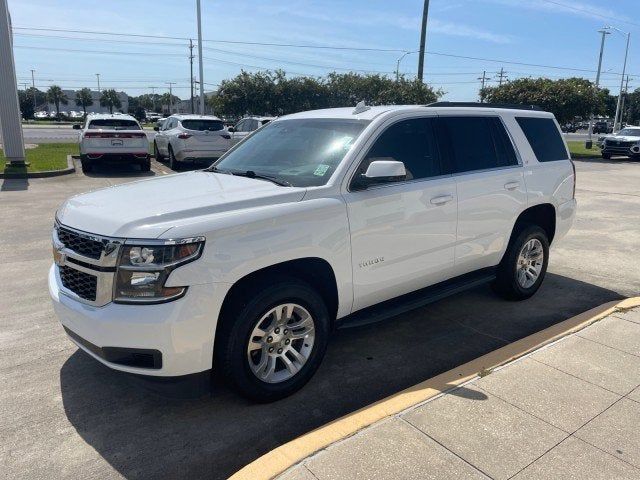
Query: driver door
[(403, 233)]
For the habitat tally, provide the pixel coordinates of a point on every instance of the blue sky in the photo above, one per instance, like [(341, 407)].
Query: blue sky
[(559, 33)]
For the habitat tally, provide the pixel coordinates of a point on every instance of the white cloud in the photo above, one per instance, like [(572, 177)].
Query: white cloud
[(569, 7)]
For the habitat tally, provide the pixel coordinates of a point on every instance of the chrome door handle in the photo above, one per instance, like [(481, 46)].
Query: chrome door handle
[(441, 200), (511, 185)]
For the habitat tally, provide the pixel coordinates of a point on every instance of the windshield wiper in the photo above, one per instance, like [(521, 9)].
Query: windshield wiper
[(251, 174)]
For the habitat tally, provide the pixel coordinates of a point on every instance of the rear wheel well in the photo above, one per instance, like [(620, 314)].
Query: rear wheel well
[(543, 215), (314, 271)]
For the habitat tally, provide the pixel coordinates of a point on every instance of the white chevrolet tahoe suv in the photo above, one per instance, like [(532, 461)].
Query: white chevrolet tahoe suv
[(317, 219), (113, 137)]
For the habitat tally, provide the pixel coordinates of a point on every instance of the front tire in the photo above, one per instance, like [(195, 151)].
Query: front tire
[(273, 339), (606, 156), (156, 152), (524, 264)]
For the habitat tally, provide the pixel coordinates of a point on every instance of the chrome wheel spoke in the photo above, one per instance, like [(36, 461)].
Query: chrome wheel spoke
[(529, 263)]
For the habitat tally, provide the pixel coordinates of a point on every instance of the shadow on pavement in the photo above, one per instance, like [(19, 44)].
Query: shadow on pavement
[(102, 170), (143, 435), (14, 184)]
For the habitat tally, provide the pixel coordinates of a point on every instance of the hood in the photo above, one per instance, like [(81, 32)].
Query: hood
[(622, 138), (147, 208)]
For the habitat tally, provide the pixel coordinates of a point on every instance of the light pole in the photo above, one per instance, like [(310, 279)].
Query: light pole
[(200, 58), (98, 77), (624, 70), (398, 64), (423, 39), (171, 84), (604, 31)]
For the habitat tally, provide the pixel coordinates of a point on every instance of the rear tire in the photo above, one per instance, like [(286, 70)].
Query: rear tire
[(146, 165), (524, 264), (249, 330), (173, 162), (156, 153), (606, 156), (86, 165)]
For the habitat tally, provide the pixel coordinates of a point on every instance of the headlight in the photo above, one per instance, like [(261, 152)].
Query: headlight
[(143, 270)]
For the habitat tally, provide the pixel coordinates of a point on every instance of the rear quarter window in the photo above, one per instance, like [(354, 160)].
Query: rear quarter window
[(544, 138)]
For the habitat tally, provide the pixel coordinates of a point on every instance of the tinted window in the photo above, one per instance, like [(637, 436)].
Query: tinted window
[(240, 126), (202, 125), (114, 124), (504, 147), (471, 144), (252, 125), (411, 142), (544, 138)]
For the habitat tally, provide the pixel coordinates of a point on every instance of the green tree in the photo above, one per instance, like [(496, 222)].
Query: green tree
[(567, 98), (84, 99), (632, 107), (110, 99), (56, 96), (168, 101), (273, 93)]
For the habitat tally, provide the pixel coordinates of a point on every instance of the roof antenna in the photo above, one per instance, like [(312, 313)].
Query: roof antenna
[(360, 107)]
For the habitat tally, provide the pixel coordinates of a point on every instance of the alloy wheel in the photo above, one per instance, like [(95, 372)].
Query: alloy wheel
[(530, 261)]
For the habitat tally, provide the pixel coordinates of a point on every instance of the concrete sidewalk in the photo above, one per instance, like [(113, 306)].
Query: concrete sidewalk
[(569, 410)]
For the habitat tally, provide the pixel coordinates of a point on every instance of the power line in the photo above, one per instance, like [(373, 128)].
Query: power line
[(590, 12)]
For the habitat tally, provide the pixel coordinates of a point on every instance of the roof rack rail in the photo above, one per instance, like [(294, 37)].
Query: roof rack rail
[(512, 106)]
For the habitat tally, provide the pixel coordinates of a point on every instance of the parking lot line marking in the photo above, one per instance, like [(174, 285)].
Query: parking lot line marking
[(287, 455)]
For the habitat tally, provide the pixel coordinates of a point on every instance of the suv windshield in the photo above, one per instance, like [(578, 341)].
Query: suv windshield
[(629, 132), (302, 152), (202, 125), (114, 124)]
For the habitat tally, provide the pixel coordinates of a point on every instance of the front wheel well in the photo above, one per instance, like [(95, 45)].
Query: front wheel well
[(543, 215), (315, 271)]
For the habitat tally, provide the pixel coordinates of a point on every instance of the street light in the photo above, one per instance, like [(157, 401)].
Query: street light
[(398, 64), (624, 69)]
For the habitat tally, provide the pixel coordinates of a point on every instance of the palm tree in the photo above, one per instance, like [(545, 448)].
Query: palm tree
[(84, 99), (56, 96), (109, 98)]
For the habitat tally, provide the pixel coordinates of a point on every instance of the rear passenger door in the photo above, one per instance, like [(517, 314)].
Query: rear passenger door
[(402, 233), (490, 185)]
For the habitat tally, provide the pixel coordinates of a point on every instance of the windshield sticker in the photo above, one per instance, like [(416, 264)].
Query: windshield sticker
[(321, 170)]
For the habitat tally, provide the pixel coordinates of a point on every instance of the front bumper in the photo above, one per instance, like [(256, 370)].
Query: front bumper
[(180, 332)]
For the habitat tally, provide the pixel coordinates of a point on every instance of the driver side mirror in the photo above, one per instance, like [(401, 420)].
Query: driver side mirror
[(156, 128), (381, 171), (231, 129), (77, 126)]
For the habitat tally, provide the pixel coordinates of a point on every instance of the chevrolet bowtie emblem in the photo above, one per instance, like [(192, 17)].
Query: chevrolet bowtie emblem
[(58, 256)]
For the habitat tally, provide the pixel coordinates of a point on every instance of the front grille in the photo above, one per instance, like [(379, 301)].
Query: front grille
[(619, 144), (81, 244), (82, 284)]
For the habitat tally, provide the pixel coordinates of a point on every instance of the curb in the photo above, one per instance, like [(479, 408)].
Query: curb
[(44, 174), (280, 459)]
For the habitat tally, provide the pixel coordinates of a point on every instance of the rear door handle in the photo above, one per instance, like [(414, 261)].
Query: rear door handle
[(441, 200), (511, 185)]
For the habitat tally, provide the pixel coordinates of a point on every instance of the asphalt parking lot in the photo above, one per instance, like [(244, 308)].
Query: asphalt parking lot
[(65, 415)]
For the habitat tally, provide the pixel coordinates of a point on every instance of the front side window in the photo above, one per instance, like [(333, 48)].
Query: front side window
[(470, 143), (203, 124), (411, 142), (544, 138), (113, 124), (302, 152)]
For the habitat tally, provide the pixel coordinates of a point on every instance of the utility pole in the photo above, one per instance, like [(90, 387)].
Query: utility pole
[(423, 39), (200, 58), (33, 85), (624, 99), (171, 84), (191, 76), (502, 75), (98, 77), (153, 97), (624, 69), (12, 139), (483, 80), (604, 31)]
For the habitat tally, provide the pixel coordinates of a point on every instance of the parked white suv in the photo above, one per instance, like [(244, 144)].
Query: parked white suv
[(247, 125), (190, 137), (318, 219), (112, 137), (625, 142)]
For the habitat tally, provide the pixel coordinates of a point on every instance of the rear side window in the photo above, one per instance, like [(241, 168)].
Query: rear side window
[(471, 143), (113, 124), (544, 138), (202, 125), (411, 142)]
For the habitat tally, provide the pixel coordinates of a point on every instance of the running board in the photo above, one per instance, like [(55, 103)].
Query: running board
[(419, 298)]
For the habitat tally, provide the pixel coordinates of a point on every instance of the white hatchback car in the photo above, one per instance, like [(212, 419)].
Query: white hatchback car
[(191, 137), (247, 125), (113, 137)]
